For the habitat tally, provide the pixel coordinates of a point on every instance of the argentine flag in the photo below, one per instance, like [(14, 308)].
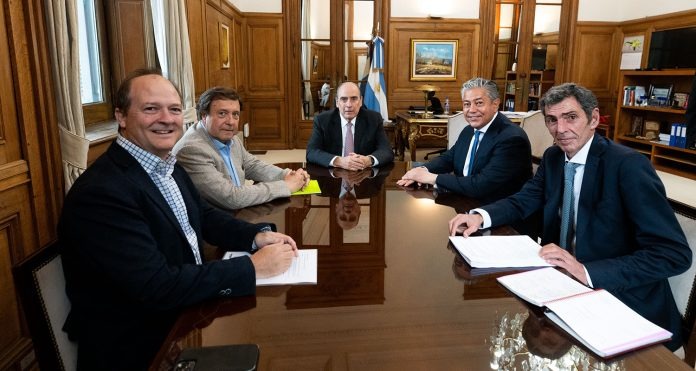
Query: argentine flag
[(375, 91)]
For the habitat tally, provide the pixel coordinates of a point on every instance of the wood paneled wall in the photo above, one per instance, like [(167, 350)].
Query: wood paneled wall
[(400, 88), (591, 62), (127, 36), (266, 90), (595, 53), (256, 65), (31, 183)]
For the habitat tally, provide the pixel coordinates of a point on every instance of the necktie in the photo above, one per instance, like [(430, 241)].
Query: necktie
[(567, 208), (349, 146), (472, 156)]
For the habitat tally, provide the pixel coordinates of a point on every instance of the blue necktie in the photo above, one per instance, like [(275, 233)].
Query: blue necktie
[(473, 152), (567, 212)]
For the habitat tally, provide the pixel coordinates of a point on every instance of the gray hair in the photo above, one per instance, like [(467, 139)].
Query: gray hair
[(479, 82), (587, 99)]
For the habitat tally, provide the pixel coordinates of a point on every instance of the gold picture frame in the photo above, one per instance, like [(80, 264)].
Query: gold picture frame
[(224, 46), (434, 60)]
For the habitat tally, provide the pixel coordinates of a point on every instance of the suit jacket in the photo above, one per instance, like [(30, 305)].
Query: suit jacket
[(196, 152), (327, 139), (130, 270), (627, 235), (503, 162)]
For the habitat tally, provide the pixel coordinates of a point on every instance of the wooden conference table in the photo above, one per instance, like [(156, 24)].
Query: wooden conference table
[(391, 294)]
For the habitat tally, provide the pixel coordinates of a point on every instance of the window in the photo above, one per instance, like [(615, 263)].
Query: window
[(94, 87)]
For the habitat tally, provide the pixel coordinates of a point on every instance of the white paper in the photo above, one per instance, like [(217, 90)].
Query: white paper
[(499, 251), (303, 269), (541, 286), (604, 324)]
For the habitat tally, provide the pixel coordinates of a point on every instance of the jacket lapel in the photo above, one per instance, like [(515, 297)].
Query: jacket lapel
[(135, 173), (588, 191)]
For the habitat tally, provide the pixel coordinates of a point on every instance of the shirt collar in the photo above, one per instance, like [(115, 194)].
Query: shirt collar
[(483, 129), (344, 121), (219, 145), (149, 162), (581, 156)]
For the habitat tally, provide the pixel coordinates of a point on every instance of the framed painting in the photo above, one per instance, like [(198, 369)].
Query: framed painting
[(434, 60)]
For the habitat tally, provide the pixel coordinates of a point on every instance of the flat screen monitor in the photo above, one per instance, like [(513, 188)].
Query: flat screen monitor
[(673, 49)]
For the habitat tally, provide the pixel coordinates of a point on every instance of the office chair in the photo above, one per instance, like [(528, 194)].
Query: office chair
[(684, 285), (41, 287), (538, 135)]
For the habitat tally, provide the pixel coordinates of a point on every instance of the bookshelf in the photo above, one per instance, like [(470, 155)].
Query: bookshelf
[(539, 82), (674, 160)]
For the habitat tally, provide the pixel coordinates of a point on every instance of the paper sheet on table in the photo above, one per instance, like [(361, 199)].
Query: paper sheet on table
[(311, 189), (542, 285), (604, 324), (499, 251), (303, 269)]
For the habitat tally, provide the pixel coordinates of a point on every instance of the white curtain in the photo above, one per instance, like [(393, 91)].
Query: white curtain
[(307, 62), (174, 51), (61, 27)]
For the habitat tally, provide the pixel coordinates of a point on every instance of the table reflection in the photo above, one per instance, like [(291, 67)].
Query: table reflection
[(391, 294)]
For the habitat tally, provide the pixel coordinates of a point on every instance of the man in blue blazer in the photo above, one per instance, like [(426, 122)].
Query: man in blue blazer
[(497, 167), (132, 231), (626, 237), (326, 146)]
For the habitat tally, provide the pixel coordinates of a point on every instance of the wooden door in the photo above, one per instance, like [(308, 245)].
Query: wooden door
[(30, 182), (527, 46)]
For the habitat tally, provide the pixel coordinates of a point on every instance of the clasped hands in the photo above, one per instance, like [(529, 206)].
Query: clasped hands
[(419, 175), (466, 224), (275, 254), (297, 179), (353, 161), (353, 178)]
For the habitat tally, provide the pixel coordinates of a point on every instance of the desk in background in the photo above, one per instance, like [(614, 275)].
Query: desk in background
[(391, 294), (418, 130), (414, 130)]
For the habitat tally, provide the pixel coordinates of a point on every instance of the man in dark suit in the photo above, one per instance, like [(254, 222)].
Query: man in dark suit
[(624, 237), (132, 232), (349, 136), (492, 157)]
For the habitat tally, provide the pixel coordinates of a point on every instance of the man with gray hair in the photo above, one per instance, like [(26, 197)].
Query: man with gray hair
[(492, 157), (606, 218)]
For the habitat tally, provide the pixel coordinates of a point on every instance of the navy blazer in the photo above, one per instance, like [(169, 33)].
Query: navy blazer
[(327, 138), (627, 235), (130, 270), (503, 162)]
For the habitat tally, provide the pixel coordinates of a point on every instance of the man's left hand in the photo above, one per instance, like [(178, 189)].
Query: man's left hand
[(554, 254), (420, 175), (366, 160), (267, 238)]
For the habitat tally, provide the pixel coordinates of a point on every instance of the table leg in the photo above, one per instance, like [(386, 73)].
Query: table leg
[(412, 138)]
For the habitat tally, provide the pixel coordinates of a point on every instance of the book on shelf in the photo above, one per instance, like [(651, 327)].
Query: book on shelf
[(596, 318), (634, 95), (499, 251)]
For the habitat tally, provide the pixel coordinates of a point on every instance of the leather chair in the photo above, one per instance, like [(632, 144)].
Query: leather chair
[(684, 285), (455, 125), (41, 287), (538, 134)]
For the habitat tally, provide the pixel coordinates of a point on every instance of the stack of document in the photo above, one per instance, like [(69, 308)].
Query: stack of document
[(596, 318), (303, 269), (499, 251)]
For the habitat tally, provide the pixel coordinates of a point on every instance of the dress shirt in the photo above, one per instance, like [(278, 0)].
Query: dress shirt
[(225, 149), (160, 171), (579, 158), (481, 135), (344, 122)]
